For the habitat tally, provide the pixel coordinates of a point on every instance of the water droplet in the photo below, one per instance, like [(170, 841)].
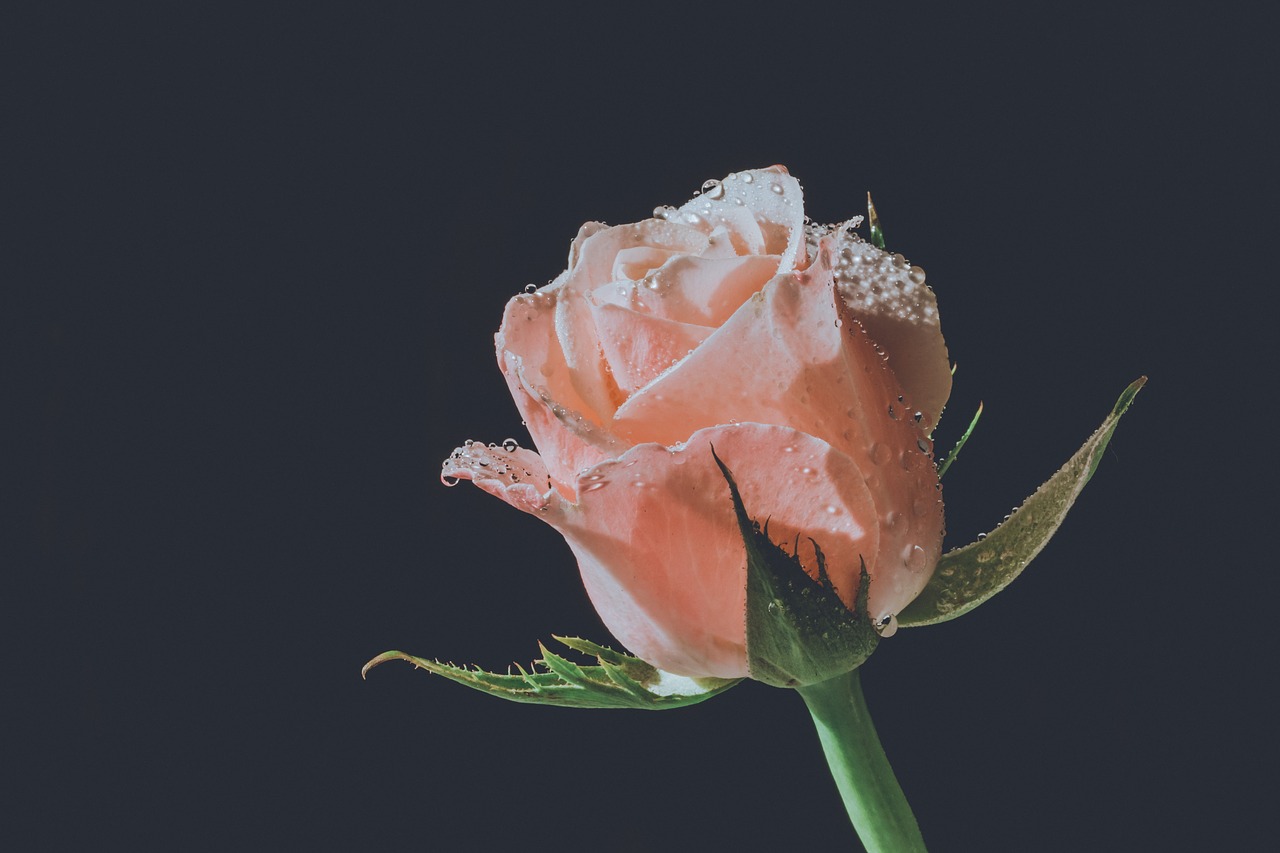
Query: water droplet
[(916, 275), (892, 413), (923, 445), (530, 288), (776, 187), (639, 484), (789, 449), (888, 625), (981, 536), (692, 218), (880, 453), (449, 481), (747, 177), (594, 486), (917, 417), (832, 509), (468, 442), (663, 211), (914, 558), (510, 444), (806, 470), (890, 519), (713, 189)]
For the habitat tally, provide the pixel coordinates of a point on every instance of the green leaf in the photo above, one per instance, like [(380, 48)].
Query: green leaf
[(799, 631), (616, 681), (968, 576)]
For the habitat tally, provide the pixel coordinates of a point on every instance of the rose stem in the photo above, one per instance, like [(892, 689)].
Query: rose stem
[(871, 793)]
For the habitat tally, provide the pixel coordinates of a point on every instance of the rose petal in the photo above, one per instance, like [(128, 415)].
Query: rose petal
[(593, 261), (774, 204), (516, 476), (533, 364), (900, 312), (638, 347), (662, 556), (793, 355)]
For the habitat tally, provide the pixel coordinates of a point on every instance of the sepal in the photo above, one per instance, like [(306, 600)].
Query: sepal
[(799, 631), (615, 681), (968, 576)]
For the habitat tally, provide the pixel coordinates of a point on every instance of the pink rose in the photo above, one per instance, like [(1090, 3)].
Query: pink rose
[(811, 360)]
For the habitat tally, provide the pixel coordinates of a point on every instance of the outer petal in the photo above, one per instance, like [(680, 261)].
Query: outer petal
[(661, 554), (900, 312), (516, 475), (536, 372), (793, 356)]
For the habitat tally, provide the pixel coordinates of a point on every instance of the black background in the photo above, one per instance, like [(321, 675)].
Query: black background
[(260, 257)]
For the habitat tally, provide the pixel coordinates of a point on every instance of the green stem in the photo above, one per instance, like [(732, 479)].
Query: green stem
[(871, 793)]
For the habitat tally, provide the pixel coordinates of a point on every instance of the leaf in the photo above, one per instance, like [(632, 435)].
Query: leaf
[(968, 576), (799, 631), (616, 681)]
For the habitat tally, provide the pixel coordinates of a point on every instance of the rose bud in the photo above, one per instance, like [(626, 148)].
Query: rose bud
[(811, 360)]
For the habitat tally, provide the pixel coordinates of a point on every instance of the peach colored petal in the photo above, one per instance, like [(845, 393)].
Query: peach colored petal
[(706, 291), (900, 313), (794, 356), (638, 347), (533, 364), (773, 203), (691, 289), (593, 265), (517, 476), (661, 554)]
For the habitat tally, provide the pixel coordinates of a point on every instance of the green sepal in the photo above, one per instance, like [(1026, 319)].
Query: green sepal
[(873, 220), (955, 451), (968, 576), (799, 632), (615, 681)]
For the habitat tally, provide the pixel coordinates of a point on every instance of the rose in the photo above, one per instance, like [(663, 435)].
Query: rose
[(811, 360)]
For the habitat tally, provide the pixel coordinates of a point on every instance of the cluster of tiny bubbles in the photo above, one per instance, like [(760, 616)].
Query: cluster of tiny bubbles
[(887, 625)]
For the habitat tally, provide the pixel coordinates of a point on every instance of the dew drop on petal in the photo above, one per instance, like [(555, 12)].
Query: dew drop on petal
[(880, 453), (887, 625), (747, 177), (449, 481), (510, 444), (713, 189), (776, 187), (531, 288)]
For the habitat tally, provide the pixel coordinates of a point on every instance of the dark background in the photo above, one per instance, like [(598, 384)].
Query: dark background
[(259, 258)]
